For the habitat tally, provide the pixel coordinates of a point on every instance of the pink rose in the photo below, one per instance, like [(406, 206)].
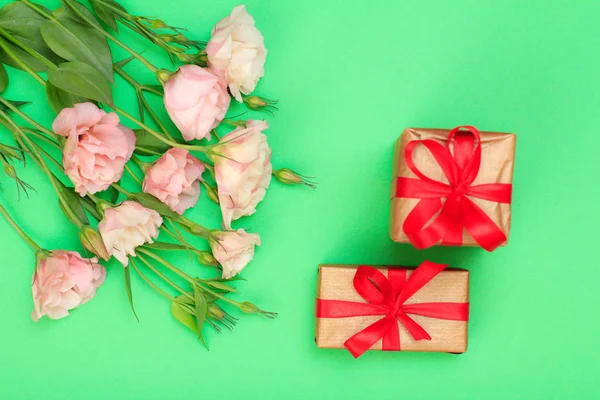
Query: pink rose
[(97, 146), (243, 171), (126, 227), (234, 250), (175, 179), (196, 101), (236, 51), (64, 281)]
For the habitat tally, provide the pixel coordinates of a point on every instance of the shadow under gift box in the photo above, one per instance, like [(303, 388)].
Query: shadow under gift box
[(335, 282), (497, 160)]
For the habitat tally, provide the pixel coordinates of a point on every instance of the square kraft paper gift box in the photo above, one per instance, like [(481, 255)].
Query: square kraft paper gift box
[(392, 308), (452, 187)]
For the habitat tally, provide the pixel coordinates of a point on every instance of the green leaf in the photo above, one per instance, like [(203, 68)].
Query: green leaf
[(81, 80), (75, 42), (105, 14), (181, 315), (3, 78), (73, 200), (60, 99), (183, 299), (201, 310), (129, 292), (149, 201), (24, 24), (149, 144), (71, 9)]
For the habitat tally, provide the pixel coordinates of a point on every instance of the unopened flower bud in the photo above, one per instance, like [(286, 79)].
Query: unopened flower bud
[(153, 22), (163, 75), (10, 171), (207, 258), (216, 312), (92, 241), (175, 38), (289, 177), (260, 104), (249, 308), (102, 206), (199, 59), (212, 193)]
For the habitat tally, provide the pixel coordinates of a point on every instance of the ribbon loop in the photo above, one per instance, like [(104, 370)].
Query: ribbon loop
[(386, 296), (433, 221)]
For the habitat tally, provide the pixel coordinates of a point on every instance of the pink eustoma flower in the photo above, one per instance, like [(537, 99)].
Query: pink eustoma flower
[(96, 149), (175, 179)]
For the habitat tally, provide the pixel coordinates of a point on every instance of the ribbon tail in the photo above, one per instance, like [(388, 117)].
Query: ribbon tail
[(415, 330), (483, 229), (451, 221), (419, 278), (365, 339), (414, 223), (449, 311), (391, 340), (498, 192)]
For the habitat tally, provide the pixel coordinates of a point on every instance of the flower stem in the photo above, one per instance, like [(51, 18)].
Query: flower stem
[(22, 138), (20, 231), (154, 117), (95, 26), (139, 89), (226, 299), (8, 36), (164, 277), (18, 61), (43, 137), (149, 282), (120, 189), (133, 175), (159, 136), (42, 164), (166, 264), (25, 117)]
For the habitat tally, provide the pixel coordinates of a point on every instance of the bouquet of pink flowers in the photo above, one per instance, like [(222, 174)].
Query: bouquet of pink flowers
[(66, 51)]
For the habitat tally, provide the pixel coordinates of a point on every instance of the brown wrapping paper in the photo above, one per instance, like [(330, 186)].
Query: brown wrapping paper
[(450, 285), (497, 159)]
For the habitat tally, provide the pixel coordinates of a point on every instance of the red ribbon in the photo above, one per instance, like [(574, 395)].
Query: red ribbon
[(386, 296), (458, 211)]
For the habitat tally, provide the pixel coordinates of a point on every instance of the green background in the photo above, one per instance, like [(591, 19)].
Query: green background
[(350, 76)]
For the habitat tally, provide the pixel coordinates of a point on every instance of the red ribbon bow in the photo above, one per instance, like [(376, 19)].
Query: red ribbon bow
[(458, 210), (386, 296)]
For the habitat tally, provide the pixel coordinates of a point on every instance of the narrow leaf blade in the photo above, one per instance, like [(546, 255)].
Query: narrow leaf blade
[(129, 291)]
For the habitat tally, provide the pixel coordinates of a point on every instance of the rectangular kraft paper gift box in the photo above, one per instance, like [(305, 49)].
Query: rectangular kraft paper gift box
[(497, 160), (451, 285)]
